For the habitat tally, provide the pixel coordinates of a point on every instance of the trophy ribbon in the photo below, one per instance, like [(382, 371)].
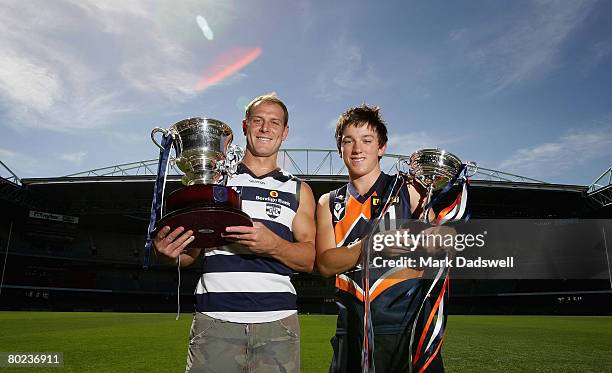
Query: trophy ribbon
[(229, 166), (431, 168), (158, 190), (457, 209), (367, 347), (425, 353)]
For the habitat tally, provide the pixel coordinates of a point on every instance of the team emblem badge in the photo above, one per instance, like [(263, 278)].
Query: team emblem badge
[(338, 209), (273, 194), (273, 210)]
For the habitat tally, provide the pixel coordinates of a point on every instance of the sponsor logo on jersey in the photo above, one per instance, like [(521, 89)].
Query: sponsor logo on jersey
[(376, 201), (273, 210), (273, 194), (273, 200)]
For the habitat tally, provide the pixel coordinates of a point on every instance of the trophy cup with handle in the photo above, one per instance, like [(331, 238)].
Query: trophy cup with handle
[(205, 205), (437, 169)]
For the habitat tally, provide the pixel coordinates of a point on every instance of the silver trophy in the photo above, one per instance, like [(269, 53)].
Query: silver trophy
[(434, 168), (204, 152)]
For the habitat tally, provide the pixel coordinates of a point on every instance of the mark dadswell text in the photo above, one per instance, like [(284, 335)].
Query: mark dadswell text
[(458, 262)]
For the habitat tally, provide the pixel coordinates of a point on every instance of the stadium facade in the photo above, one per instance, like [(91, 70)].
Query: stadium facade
[(77, 242)]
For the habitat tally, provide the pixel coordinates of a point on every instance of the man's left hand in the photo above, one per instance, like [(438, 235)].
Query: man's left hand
[(258, 238)]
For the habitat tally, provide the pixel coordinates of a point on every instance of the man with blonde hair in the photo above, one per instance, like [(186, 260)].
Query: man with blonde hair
[(246, 313)]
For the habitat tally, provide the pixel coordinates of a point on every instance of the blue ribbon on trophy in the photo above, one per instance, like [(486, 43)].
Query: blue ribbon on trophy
[(158, 192)]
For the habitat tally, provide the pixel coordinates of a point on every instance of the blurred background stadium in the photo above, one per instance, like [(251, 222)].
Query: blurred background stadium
[(75, 243)]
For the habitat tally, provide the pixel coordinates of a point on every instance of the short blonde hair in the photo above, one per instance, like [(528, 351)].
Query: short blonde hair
[(269, 97)]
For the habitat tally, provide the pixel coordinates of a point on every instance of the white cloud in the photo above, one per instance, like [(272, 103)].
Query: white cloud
[(44, 81), (76, 64), (407, 143), (154, 62), (137, 8), (600, 53), (457, 35), (6, 154), (7, 157), (130, 138), (40, 91), (345, 72), (332, 124), (568, 152), (25, 165), (73, 157), (521, 46)]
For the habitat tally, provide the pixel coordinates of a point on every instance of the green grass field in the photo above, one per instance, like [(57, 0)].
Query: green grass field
[(128, 342)]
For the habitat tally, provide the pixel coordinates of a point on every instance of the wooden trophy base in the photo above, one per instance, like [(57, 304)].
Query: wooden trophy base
[(207, 224)]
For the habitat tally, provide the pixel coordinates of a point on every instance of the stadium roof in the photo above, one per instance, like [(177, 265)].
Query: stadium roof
[(323, 169), (321, 165), (311, 162), (600, 190), (8, 175)]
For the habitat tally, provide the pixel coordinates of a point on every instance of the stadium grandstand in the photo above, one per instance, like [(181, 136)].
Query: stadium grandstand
[(76, 242)]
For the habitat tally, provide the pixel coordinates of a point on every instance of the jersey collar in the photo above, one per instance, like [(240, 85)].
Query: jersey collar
[(243, 168), (352, 191)]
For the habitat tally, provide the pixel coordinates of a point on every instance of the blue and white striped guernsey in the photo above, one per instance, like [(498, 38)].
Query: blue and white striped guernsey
[(237, 285)]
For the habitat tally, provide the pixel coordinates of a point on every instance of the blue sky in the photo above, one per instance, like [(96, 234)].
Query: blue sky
[(519, 86)]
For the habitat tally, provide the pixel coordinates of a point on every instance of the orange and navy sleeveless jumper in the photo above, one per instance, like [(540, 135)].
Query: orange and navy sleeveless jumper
[(396, 294)]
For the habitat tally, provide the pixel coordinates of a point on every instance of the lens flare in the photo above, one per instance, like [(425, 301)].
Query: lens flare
[(226, 65), (206, 30)]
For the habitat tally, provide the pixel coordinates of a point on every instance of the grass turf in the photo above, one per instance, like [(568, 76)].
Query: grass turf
[(127, 342)]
